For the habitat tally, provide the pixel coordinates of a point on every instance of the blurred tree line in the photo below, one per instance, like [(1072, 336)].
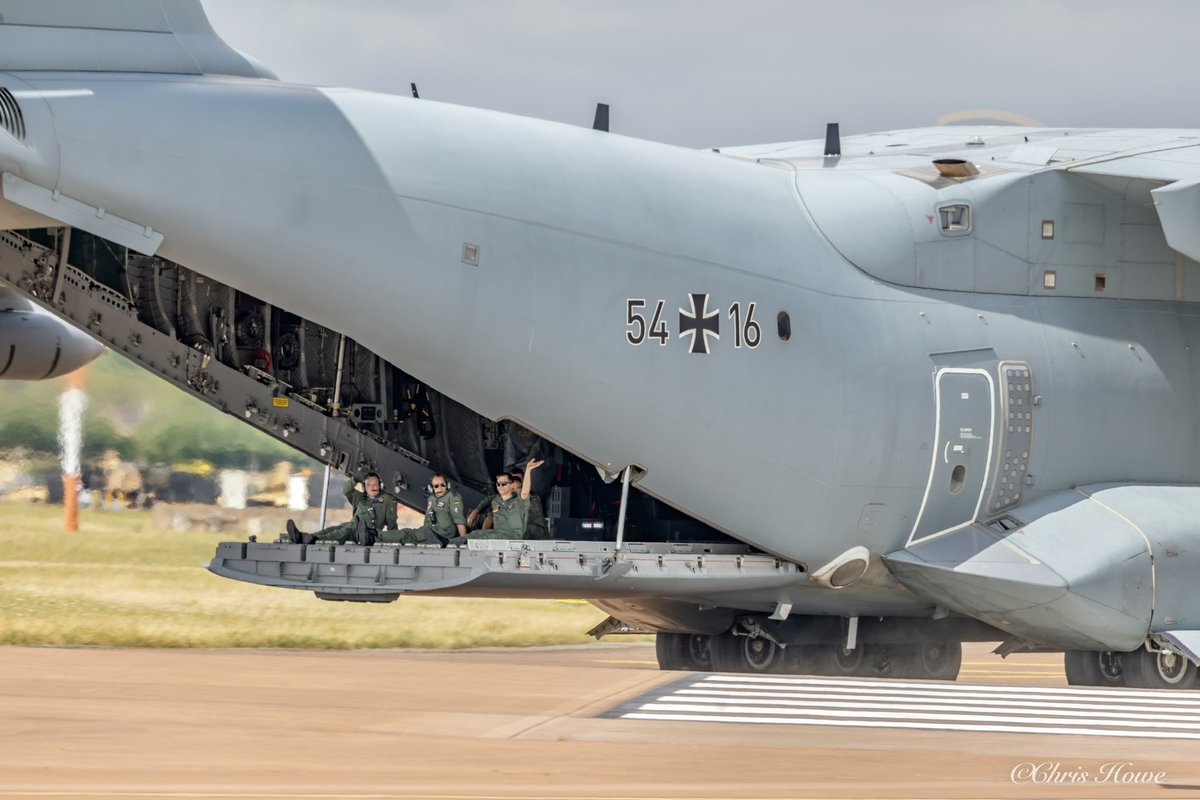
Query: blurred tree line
[(140, 416)]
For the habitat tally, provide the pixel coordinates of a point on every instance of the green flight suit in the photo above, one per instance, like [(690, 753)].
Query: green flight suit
[(442, 516), (509, 518), (378, 512), (484, 508), (535, 525)]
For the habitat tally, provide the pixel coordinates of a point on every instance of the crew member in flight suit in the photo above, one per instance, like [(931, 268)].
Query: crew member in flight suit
[(510, 510), (480, 517), (535, 523), (373, 512), (444, 518)]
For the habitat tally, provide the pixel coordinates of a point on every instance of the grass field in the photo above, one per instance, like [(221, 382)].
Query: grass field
[(121, 582)]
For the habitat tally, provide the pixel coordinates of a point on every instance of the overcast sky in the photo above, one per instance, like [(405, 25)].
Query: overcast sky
[(703, 72)]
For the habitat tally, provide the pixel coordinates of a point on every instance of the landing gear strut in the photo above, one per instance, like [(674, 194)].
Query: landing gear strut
[(756, 655)]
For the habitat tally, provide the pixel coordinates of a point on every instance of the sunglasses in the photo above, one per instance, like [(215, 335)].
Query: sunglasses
[(439, 486), (503, 483)]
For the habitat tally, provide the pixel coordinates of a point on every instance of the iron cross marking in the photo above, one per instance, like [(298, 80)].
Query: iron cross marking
[(699, 323)]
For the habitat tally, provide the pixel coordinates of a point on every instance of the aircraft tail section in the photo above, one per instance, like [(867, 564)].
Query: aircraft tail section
[(154, 36)]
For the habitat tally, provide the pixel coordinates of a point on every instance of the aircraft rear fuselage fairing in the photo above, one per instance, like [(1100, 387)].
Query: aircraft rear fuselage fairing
[(835, 360)]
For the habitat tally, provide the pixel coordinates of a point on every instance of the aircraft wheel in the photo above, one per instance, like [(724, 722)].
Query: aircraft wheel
[(756, 655), (762, 656), (1159, 670), (686, 651), (891, 660), (1094, 668), (807, 659), (727, 653), (848, 662), (937, 661)]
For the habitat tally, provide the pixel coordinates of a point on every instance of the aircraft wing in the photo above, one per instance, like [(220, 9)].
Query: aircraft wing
[(1177, 198)]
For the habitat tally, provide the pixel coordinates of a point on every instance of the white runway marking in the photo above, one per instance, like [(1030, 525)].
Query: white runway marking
[(862, 703)]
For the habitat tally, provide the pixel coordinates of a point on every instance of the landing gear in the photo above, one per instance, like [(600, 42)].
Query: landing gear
[(1159, 669), (928, 661), (757, 655), (684, 651), (931, 661), (1095, 667), (849, 662), (761, 655)]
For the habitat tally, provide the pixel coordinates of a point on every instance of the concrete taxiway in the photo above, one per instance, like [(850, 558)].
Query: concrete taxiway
[(589, 722)]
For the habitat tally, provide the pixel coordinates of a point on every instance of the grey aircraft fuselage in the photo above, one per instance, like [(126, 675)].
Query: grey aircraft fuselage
[(566, 278)]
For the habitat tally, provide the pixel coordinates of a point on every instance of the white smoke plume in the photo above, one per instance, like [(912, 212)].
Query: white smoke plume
[(71, 404)]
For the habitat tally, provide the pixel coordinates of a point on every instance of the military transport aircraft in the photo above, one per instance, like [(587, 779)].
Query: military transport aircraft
[(823, 406)]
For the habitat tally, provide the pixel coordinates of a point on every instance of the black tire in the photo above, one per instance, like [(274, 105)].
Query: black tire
[(807, 659), (849, 663), (685, 651), (928, 661), (762, 656), (1094, 668), (939, 661), (727, 653), (1159, 670)]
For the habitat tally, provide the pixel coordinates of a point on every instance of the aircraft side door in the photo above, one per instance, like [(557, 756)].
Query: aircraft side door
[(962, 452)]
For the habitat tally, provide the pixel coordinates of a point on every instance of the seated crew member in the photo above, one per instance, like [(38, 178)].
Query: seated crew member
[(443, 518), (517, 477), (510, 511), (535, 525), (372, 513), (484, 523)]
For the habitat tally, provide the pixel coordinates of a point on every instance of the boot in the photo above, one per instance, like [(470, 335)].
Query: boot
[(295, 536)]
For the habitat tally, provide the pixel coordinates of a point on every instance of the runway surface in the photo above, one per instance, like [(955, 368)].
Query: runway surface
[(927, 706), (590, 722)]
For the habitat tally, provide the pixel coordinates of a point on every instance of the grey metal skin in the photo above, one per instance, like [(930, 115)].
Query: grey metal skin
[(36, 346), (1086, 572), (422, 229)]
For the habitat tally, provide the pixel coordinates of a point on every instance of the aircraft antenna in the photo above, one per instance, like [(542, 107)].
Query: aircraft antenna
[(414, 90), (833, 140), (601, 121)]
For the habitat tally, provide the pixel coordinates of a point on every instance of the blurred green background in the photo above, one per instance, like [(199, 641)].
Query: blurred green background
[(142, 417)]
